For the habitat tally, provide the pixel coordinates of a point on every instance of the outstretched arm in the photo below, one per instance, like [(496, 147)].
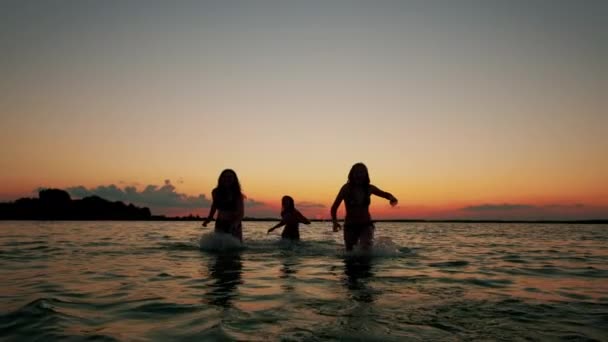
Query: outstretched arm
[(302, 218), (280, 224), (334, 209), (374, 190)]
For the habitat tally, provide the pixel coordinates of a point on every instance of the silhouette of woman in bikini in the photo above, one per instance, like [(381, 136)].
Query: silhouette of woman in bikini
[(356, 193), (228, 202)]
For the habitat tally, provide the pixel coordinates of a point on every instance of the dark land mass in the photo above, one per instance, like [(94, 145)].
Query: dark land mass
[(56, 204)]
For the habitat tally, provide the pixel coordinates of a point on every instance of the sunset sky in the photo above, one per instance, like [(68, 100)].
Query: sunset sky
[(461, 109)]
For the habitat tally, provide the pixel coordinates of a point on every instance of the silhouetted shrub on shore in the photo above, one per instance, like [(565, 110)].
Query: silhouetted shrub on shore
[(56, 204)]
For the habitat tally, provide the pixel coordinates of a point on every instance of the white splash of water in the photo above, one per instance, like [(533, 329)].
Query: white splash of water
[(219, 242), (382, 247)]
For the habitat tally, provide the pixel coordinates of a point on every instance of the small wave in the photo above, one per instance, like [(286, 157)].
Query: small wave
[(588, 272), (161, 308), (100, 244), (40, 314), (572, 295), (490, 282), (456, 263), (24, 243), (493, 283), (43, 320), (38, 307), (186, 246), (515, 260)]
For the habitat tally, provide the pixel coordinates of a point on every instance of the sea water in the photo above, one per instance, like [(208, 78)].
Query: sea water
[(423, 281)]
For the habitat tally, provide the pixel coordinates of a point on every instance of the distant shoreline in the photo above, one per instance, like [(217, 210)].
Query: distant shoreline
[(270, 219), (57, 205)]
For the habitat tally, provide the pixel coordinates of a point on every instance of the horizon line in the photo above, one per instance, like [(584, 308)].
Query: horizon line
[(270, 219)]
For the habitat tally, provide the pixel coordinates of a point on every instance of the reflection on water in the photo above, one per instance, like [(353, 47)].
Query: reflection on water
[(226, 271), (357, 270), (288, 269), (288, 273)]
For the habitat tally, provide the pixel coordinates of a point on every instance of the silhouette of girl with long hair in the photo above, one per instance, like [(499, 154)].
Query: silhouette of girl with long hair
[(356, 193), (228, 201), (290, 218)]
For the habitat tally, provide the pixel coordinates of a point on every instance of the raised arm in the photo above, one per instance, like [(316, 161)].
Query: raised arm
[(334, 209), (374, 190)]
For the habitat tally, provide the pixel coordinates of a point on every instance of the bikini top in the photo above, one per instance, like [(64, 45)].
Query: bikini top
[(290, 218), (224, 200), (357, 197)]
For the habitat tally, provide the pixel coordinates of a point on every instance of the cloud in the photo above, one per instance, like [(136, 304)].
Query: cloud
[(497, 207), (566, 206), (158, 198), (151, 195), (519, 211), (251, 203), (309, 205), (121, 182), (515, 207)]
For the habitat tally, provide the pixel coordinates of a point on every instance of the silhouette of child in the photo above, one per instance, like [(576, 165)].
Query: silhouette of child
[(290, 218), (356, 193)]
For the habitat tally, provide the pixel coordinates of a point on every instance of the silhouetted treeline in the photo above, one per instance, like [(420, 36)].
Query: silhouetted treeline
[(56, 204), (176, 218)]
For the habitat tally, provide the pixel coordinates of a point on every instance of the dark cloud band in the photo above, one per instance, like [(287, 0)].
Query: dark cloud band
[(515, 207), (151, 195)]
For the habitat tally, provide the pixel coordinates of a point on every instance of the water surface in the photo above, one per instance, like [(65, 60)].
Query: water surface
[(424, 281)]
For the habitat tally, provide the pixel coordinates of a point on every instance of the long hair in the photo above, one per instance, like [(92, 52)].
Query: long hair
[(234, 189), (287, 205), (351, 174)]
